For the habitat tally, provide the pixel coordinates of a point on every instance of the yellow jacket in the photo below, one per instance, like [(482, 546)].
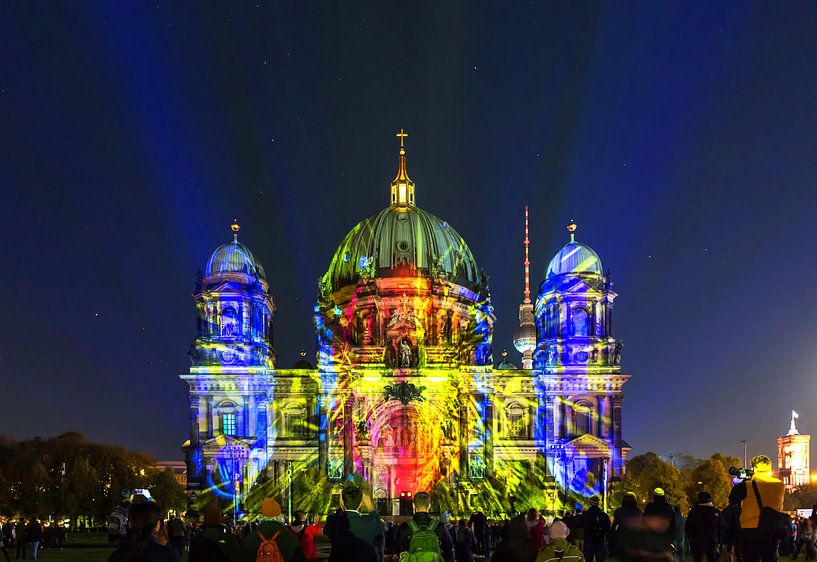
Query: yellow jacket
[(771, 492)]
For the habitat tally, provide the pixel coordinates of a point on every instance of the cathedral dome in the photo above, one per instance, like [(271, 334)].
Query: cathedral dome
[(233, 257), (403, 241), (574, 258)]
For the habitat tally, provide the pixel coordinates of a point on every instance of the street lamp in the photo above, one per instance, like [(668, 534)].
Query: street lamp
[(744, 452)]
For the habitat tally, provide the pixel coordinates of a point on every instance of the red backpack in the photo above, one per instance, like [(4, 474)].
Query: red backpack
[(268, 550)]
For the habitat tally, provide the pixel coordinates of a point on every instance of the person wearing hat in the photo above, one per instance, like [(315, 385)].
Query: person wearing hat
[(214, 543), (269, 529), (626, 528), (596, 525), (762, 490), (558, 549), (702, 526), (659, 524)]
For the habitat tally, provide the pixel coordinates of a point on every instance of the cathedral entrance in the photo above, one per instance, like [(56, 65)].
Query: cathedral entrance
[(406, 446)]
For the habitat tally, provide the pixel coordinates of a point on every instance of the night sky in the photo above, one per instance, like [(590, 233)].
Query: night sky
[(682, 138)]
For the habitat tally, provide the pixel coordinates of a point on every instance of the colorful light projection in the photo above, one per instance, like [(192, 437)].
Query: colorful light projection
[(404, 396)]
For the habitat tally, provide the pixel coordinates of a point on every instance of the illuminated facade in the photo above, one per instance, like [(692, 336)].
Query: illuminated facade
[(404, 393), (793, 450)]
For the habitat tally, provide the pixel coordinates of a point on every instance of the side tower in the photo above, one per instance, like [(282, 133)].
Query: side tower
[(793, 456), (229, 377), (578, 372), (525, 338)]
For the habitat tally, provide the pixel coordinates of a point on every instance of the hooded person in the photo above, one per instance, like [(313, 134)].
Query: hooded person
[(306, 540), (516, 544), (270, 534), (703, 524), (558, 549), (214, 542)]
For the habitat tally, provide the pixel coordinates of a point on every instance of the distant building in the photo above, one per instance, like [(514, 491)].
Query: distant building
[(178, 468), (793, 457)]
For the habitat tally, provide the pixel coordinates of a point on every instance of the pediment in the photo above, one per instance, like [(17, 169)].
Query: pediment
[(588, 442)]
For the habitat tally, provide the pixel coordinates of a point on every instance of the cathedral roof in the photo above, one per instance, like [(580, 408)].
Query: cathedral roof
[(233, 257), (402, 240), (574, 258)]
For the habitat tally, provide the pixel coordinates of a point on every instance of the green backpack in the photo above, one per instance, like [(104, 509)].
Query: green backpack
[(424, 545)]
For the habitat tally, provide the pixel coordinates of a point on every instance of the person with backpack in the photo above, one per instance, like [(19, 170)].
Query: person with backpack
[(423, 538), (215, 543), (141, 545), (464, 542), (118, 523), (596, 525), (558, 549), (270, 541)]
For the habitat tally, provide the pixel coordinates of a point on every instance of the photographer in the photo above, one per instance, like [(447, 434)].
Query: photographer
[(757, 543)]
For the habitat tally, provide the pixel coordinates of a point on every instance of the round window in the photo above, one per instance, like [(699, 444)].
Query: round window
[(403, 246), (402, 217)]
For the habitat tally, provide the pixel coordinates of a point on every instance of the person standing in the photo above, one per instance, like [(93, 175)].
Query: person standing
[(214, 542), (368, 527), (141, 544), (479, 523), (175, 534), (702, 528), (270, 534), (516, 544), (596, 525), (762, 490), (464, 542), (558, 549), (626, 527), (20, 538), (306, 540), (536, 527), (415, 534), (34, 535)]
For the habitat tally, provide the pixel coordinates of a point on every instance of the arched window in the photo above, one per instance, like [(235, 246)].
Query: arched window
[(227, 413), (229, 321), (581, 322), (582, 418), (517, 417), (295, 421)]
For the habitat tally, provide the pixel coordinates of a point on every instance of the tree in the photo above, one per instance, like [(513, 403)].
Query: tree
[(167, 491), (804, 497), (711, 475), (647, 472), (80, 488)]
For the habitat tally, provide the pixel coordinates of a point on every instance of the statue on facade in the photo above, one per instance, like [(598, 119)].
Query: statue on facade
[(404, 391), (405, 354)]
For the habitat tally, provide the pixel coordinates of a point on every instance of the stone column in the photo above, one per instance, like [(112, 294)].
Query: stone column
[(195, 400)]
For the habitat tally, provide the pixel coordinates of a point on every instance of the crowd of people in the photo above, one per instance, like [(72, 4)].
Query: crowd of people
[(26, 538), (752, 528)]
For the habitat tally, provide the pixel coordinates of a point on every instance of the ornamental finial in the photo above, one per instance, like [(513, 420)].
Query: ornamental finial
[(402, 188), (571, 228), (235, 228)]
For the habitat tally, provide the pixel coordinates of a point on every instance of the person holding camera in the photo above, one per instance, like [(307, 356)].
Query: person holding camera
[(761, 501)]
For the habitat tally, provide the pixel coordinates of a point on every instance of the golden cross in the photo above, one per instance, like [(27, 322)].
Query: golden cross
[(402, 134)]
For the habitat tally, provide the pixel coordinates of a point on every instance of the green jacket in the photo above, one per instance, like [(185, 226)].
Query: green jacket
[(559, 550)]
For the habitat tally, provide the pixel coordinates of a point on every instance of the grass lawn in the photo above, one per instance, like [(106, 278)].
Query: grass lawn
[(98, 554)]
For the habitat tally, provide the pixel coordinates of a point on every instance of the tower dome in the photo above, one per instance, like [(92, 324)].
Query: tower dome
[(233, 257), (574, 258)]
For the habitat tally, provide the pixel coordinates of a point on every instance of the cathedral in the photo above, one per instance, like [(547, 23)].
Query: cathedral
[(404, 392)]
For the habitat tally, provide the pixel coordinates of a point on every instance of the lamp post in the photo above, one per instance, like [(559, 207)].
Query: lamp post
[(744, 452)]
